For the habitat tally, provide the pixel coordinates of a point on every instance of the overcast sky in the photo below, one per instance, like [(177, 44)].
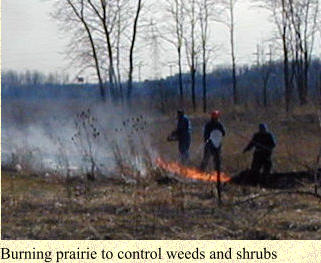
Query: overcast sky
[(31, 40)]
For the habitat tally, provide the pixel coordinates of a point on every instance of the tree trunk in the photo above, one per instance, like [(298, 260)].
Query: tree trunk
[(265, 100), (286, 76), (131, 52), (305, 79), (110, 55), (80, 15), (287, 83), (235, 91), (101, 85), (193, 87), (180, 79), (319, 86), (204, 86)]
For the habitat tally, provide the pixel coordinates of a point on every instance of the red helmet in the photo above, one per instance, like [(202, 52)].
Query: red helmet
[(215, 114)]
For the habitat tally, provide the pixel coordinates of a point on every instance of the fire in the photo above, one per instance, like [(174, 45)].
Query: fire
[(191, 173)]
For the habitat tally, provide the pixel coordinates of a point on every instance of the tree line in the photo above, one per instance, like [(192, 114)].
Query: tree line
[(261, 83), (297, 23), (109, 37), (35, 77)]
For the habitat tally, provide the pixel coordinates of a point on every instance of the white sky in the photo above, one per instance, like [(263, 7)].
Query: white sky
[(31, 40)]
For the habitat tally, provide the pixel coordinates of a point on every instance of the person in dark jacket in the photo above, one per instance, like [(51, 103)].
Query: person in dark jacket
[(183, 135), (213, 133), (264, 143)]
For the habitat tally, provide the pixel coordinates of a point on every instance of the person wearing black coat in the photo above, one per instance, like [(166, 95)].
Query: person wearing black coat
[(263, 141), (213, 133), (183, 135)]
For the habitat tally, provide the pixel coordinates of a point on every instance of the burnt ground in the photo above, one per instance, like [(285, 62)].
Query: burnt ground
[(286, 180), (36, 207)]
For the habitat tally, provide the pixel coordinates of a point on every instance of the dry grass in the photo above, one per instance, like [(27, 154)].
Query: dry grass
[(33, 208)]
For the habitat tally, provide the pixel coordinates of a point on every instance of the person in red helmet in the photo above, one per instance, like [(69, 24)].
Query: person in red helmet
[(213, 133), (215, 114)]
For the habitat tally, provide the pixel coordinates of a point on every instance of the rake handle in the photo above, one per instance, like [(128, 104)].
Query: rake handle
[(218, 187)]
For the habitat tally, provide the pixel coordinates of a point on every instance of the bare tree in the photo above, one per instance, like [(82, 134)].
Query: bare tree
[(265, 68), (283, 25), (74, 12), (121, 26), (131, 52), (304, 18), (176, 11), (230, 8), (107, 22), (206, 10), (296, 21), (279, 10), (232, 42), (100, 36), (120, 39), (191, 45)]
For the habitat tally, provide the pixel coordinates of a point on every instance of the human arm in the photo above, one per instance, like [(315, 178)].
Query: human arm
[(207, 132), (250, 145), (222, 129)]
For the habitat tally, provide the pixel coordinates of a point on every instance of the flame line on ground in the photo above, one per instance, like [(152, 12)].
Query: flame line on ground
[(192, 173)]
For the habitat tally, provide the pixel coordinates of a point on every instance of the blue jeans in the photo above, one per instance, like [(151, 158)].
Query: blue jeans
[(183, 148)]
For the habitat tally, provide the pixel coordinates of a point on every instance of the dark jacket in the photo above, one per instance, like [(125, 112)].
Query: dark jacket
[(263, 142), (183, 129), (211, 126)]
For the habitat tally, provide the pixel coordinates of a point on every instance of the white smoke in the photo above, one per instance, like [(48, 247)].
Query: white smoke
[(43, 136)]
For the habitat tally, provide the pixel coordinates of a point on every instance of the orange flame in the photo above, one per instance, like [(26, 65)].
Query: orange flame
[(192, 173)]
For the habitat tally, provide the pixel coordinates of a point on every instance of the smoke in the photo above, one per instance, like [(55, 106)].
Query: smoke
[(78, 136)]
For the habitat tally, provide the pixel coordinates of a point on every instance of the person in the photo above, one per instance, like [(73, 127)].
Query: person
[(183, 135), (264, 143), (213, 133)]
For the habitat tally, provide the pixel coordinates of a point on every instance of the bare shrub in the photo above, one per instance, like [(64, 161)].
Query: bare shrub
[(132, 151), (85, 139)]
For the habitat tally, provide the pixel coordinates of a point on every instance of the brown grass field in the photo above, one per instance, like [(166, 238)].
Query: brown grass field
[(39, 207)]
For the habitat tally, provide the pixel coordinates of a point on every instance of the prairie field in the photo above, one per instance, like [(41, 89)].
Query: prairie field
[(138, 200)]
